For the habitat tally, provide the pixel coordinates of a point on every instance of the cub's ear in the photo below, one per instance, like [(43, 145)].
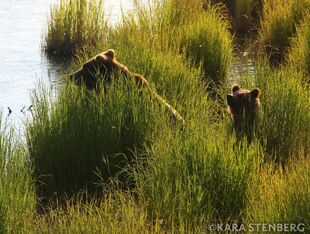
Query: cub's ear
[(110, 54), (235, 88), (230, 100), (255, 93)]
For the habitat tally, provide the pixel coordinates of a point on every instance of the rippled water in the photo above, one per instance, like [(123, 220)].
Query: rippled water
[(22, 63)]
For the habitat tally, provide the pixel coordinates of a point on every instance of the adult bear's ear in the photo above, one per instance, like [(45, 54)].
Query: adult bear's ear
[(100, 58), (110, 54), (230, 100), (255, 93), (235, 88)]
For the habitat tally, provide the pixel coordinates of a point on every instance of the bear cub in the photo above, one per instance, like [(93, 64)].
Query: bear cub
[(244, 105)]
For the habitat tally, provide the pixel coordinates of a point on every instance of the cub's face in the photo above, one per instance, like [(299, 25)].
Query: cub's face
[(243, 105)]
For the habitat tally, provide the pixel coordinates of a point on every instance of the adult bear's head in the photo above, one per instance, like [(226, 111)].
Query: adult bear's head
[(103, 65)]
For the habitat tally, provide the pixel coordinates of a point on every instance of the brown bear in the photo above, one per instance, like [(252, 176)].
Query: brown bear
[(244, 106), (105, 66)]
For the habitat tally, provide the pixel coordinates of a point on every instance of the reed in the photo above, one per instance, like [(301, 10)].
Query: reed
[(182, 28), (279, 26), (299, 54), (196, 177), (74, 25), (282, 196), (208, 43), (83, 139), (285, 113), (17, 197), (114, 162), (244, 14)]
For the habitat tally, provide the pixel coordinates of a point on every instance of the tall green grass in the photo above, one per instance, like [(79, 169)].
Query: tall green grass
[(74, 25), (196, 177), (117, 212), (208, 43), (244, 14), (113, 162), (278, 26), (81, 140), (282, 196), (299, 54), (285, 100), (182, 28), (17, 197)]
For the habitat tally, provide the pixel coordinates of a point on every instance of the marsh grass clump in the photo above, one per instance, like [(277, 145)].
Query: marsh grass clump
[(170, 75), (17, 197), (244, 14), (113, 213), (83, 139), (284, 126), (282, 196), (195, 177), (184, 29), (299, 54), (112, 161), (74, 25), (278, 26), (208, 43)]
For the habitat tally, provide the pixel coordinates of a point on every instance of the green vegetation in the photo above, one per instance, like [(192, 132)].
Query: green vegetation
[(279, 26), (279, 196), (17, 196), (196, 177), (173, 28), (208, 43), (74, 25), (111, 127), (286, 113), (113, 162), (244, 14), (299, 54)]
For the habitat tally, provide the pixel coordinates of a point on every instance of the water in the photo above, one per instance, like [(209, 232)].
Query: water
[(22, 63)]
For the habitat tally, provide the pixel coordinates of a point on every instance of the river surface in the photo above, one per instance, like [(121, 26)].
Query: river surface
[(22, 63)]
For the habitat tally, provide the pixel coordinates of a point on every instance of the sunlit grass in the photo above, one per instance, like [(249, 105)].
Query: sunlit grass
[(74, 25), (172, 27), (208, 43), (282, 196), (114, 162), (244, 14), (285, 102), (196, 177), (83, 139), (299, 54), (279, 24), (17, 197)]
